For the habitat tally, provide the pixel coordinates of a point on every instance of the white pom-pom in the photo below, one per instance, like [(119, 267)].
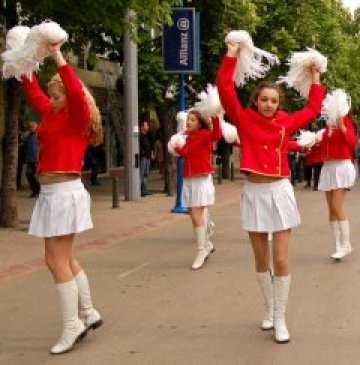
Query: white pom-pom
[(177, 140), (229, 132), (336, 104), (306, 138), (16, 36), (209, 104), (15, 39), (25, 59), (181, 118), (299, 75), (250, 63)]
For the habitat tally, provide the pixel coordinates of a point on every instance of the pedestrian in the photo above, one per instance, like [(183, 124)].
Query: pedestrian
[(146, 155), (293, 152), (198, 191), (31, 153), (357, 155), (21, 153), (337, 177), (70, 120), (92, 160), (317, 163), (268, 202)]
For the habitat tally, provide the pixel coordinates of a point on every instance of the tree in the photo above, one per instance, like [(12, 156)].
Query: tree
[(98, 23), (8, 202)]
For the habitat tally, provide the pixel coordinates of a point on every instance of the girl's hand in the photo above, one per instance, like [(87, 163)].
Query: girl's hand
[(56, 54), (341, 125), (315, 75), (233, 49)]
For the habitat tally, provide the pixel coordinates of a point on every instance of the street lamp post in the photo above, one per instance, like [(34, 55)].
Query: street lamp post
[(131, 113), (178, 208)]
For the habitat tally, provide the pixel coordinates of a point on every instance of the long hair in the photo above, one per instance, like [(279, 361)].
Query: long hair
[(267, 85), (95, 129), (202, 122)]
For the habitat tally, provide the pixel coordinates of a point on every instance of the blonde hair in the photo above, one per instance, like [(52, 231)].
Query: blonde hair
[(95, 129)]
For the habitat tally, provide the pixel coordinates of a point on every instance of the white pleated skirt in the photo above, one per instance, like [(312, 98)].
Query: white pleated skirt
[(337, 174), (61, 209), (269, 207), (198, 191)]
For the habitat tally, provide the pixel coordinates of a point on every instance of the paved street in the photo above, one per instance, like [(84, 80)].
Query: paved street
[(157, 311)]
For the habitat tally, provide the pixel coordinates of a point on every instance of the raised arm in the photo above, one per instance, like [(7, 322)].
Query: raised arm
[(312, 108), (76, 99), (226, 87), (34, 94), (216, 130)]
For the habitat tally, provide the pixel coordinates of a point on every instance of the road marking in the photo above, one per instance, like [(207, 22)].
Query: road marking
[(127, 273)]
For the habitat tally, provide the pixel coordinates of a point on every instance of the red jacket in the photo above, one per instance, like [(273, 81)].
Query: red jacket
[(62, 135), (264, 141), (314, 155), (336, 145), (197, 150)]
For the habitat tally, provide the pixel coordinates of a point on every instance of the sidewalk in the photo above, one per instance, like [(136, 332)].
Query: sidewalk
[(22, 254)]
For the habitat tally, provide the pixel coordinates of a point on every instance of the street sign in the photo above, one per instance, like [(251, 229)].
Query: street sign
[(181, 42)]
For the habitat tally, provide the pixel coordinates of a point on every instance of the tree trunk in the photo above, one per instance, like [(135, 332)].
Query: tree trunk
[(8, 201), (166, 130), (225, 159)]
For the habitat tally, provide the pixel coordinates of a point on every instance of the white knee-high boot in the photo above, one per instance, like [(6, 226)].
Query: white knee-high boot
[(73, 327), (202, 249), (88, 313), (345, 247), (209, 225), (335, 228), (265, 282), (281, 294)]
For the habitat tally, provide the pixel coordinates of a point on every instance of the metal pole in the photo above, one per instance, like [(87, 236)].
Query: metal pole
[(179, 161), (115, 192), (131, 114), (232, 171)]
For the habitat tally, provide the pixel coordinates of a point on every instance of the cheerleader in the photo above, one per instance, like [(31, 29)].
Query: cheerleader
[(70, 121), (268, 202), (198, 191), (337, 176)]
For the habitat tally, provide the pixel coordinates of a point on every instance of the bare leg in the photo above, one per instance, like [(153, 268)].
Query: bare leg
[(261, 250)]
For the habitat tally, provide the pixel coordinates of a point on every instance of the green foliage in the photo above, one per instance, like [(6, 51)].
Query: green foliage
[(278, 26)]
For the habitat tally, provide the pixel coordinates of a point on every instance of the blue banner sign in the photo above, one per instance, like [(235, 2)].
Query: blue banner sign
[(181, 42)]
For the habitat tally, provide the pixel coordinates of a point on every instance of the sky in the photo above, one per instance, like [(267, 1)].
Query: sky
[(351, 4)]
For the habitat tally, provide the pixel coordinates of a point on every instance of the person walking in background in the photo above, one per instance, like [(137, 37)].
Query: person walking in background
[(146, 155), (268, 202), (317, 163), (358, 156), (198, 191), (31, 153), (21, 154), (70, 120), (337, 177)]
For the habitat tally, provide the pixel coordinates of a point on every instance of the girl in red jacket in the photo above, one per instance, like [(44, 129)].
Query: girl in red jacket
[(198, 190), (268, 202), (70, 121), (337, 176)]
